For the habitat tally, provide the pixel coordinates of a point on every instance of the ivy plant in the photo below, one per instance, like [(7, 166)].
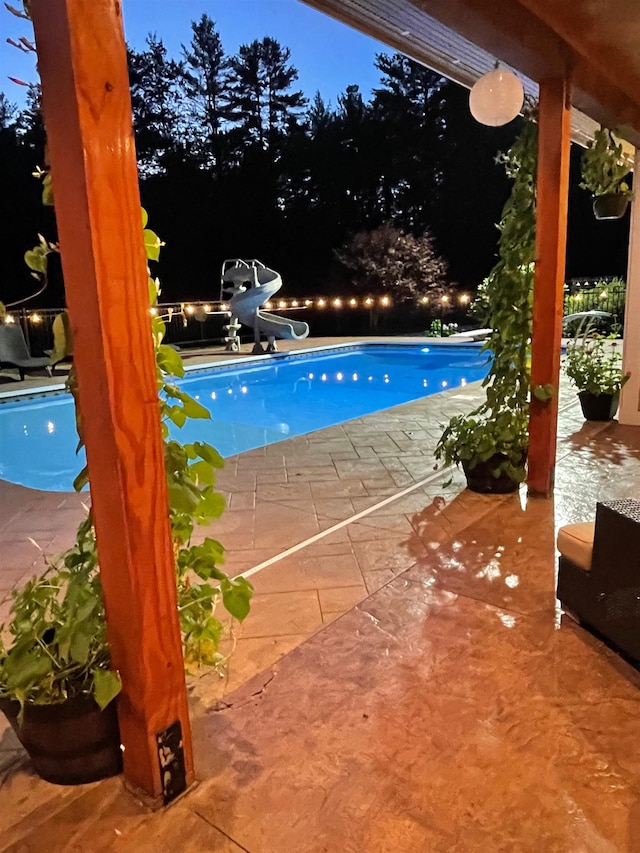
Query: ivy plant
[(499, 427), (57, 645), (603, 165)]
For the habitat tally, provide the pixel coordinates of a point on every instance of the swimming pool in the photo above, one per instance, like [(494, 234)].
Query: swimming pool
[(253, 403)]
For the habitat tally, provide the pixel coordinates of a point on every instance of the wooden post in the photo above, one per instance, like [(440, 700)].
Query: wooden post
[(630, 397), (87, 112), (551, 240)]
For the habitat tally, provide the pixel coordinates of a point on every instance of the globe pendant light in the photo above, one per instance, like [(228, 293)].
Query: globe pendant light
[(496, 98)]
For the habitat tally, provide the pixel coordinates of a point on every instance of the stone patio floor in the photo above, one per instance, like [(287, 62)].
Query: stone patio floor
[(449, 705)]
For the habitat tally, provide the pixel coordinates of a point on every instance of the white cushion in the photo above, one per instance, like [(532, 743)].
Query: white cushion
[(575, 542)]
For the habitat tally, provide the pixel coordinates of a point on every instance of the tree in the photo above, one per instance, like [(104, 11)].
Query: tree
[(408, 109), (260, 98), (156, 102), (389, 261), (205, 77)]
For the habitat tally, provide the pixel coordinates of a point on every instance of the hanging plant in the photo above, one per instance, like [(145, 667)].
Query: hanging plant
[(490, 443), (604, 174)]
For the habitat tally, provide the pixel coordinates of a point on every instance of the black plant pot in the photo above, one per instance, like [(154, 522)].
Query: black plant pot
[(71, 742), (598, 407), (610, 206), (481, 477)]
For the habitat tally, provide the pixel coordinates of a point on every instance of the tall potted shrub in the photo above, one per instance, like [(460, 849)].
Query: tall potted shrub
[(490, 443)]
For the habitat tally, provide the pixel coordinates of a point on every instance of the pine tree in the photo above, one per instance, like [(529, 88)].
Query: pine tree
[(260, 98), (205, 79), (156, 101)]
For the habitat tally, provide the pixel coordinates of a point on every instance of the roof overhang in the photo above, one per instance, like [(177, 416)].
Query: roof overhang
[(596, 44)]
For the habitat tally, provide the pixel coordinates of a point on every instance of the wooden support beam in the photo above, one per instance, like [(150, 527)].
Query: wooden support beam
[(87, 112), (554, 141)]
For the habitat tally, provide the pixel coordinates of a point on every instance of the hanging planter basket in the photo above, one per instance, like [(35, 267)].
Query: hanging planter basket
[(610, 206)]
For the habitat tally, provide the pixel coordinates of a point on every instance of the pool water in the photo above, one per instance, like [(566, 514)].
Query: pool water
[(253, 403)]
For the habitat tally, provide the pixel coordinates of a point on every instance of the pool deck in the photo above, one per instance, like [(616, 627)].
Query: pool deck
[(405, 681)]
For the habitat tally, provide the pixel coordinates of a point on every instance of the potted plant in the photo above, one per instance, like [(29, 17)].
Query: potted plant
[(490, 443), (594, 365), (604, 173), (57, 684)]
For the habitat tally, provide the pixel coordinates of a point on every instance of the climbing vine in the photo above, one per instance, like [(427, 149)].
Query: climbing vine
[(500, 424)]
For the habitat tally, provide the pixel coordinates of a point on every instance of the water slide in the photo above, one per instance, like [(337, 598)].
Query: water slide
[(252, 284)]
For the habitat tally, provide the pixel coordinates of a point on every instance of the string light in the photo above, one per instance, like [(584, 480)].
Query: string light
[(368, 301), (189, 309), (353, 302), (207, 308), (444, 299), (268, 305), (308, 302), (35, 318), (321, 303), (9, 319), (425, 300), (282, 304), (294, 303), (464, 298), (224, 306), (153, 311), (337, 303), (385, 301)]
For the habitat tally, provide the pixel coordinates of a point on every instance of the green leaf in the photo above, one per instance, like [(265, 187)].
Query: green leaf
[(36, 259), (236, 597), (80, 644), (543, 392), (203, 472), (81, 480), (144, 216), (106, 686), (193, 409), (209, 454), (169, 360), (152, 244)]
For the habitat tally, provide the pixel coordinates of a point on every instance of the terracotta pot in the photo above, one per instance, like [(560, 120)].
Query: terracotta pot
[(598, 407), (481, 478), (610, 206), (71, 742)]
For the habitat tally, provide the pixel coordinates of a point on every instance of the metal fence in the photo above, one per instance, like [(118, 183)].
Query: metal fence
[(596, 294)]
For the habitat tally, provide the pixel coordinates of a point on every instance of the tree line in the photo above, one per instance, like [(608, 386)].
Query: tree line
[(235, 160)]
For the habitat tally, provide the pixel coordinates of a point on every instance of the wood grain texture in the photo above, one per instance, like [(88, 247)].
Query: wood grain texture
[(87, 110), (551, 241)]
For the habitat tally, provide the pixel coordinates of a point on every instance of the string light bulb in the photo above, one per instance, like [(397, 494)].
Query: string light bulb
[(35, 318)]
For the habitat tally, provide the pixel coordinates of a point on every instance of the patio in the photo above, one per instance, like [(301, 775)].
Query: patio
[(448, 706)]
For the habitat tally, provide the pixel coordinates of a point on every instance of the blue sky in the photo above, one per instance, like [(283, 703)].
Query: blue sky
[(328, 55)]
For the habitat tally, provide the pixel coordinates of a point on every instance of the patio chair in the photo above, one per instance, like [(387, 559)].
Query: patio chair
[(15, 353), (599, 575)]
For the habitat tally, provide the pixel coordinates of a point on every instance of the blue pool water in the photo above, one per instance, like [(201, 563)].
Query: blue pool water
[(252, 403)]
